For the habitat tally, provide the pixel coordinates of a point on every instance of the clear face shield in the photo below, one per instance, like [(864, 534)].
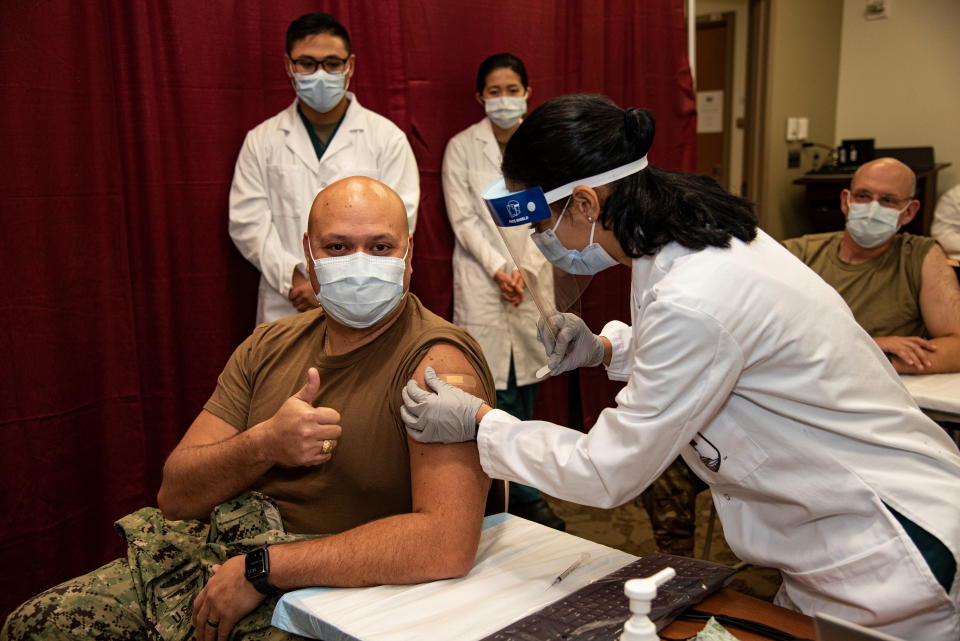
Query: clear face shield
[(516, 213)]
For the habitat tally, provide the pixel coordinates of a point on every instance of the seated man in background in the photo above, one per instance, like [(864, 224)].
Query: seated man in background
[(899, 286), (946, 222), (331, 453)]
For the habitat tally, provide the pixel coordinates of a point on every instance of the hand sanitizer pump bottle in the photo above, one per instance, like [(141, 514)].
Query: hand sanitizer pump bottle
[(641, 593)]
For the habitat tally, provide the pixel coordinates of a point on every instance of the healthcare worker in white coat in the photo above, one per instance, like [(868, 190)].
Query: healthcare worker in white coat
[(489, 296), (325, 135), (740, 359)]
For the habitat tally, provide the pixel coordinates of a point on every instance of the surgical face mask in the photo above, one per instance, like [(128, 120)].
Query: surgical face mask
[(505, 111), (590, 260), (870, 224), (321, 90), (358, 289)]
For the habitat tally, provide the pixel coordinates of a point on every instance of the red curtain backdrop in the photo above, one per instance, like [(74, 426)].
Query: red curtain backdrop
[(121, 295)]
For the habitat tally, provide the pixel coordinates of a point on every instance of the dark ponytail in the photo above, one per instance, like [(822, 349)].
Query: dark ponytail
[(580, 135), (639, 127)]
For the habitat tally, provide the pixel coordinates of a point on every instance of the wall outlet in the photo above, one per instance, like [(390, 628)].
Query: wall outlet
[(792, 127), (793, 159), (803, 128)]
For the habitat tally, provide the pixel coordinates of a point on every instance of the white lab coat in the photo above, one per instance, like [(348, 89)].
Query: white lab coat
[(749, 348), (470, 163), (277, 176), (946, 222)]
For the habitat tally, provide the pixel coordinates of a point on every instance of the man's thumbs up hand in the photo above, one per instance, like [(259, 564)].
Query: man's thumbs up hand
[(308, 393), (300, 434)]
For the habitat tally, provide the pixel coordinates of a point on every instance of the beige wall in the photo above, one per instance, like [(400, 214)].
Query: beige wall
[(900, 79), (804, 57), (738, 101)]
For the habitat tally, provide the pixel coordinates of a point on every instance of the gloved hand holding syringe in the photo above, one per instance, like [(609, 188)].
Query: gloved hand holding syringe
[(569, 344), (567, 341)]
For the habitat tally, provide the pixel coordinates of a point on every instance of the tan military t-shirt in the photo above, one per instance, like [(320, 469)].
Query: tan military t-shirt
[(883, 293), (369, 475)]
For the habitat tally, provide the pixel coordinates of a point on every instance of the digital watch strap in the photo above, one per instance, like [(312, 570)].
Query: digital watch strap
[(257, 571)]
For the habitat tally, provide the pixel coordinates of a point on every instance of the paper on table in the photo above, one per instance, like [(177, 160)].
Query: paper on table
[(713, 631), (516, 561), (935, 391)]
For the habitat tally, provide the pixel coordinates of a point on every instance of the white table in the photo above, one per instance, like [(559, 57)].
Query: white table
[(938, 395), (517, 562)]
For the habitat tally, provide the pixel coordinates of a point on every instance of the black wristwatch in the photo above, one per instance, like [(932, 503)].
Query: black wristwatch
[(257, 571)]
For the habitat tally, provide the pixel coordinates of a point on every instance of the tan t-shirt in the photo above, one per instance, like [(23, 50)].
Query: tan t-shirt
[(369, 475), (883, 293)]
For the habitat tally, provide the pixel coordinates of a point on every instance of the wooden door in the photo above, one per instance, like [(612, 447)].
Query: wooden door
[(714, 88)]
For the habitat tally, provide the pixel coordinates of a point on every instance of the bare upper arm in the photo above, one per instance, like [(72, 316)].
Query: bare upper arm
[(448, 361), (206, 428), (939, 295), (447, 479)]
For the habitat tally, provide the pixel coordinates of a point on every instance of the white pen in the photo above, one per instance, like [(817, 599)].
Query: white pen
[(584, 557)]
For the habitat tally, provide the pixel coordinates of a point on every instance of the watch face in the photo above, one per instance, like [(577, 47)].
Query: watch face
[(256, 564)]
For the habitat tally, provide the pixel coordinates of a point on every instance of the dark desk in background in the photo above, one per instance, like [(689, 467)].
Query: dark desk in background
[(740, 605), (822, 199)]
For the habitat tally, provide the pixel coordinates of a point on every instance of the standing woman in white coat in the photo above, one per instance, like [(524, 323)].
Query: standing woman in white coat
[(741, 360), (489, 300)]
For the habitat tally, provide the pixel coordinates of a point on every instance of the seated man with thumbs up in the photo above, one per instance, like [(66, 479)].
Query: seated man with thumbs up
[(299, 461)]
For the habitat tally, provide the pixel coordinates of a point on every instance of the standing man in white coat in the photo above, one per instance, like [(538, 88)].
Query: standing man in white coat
[(325, 135), (740, 359), (489, 297)]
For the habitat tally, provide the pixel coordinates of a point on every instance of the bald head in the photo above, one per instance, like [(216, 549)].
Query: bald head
[(356, 202), (357, 214), (885, 176), (888, 182)]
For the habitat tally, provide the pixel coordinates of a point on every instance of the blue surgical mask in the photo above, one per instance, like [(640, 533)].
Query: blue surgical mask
[(587, 261), (870, 224), (358, 289), (321, 90)]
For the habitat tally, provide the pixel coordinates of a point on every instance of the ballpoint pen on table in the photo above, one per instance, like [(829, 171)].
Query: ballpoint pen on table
[(584, 557)]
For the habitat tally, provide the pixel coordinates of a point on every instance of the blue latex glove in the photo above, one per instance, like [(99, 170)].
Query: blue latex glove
[(575, 345), (447, 416)]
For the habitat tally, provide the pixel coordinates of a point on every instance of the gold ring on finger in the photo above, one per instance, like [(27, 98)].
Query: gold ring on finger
[(326, 446)]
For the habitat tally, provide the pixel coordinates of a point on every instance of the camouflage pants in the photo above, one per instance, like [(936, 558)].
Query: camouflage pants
[(149, 594), (671, 504)]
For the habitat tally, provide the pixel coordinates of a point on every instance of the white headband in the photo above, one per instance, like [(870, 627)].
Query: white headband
[(606, 177)]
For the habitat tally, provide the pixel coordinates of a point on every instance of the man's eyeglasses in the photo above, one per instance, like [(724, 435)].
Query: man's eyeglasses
[(886, 200), (330, 64)]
